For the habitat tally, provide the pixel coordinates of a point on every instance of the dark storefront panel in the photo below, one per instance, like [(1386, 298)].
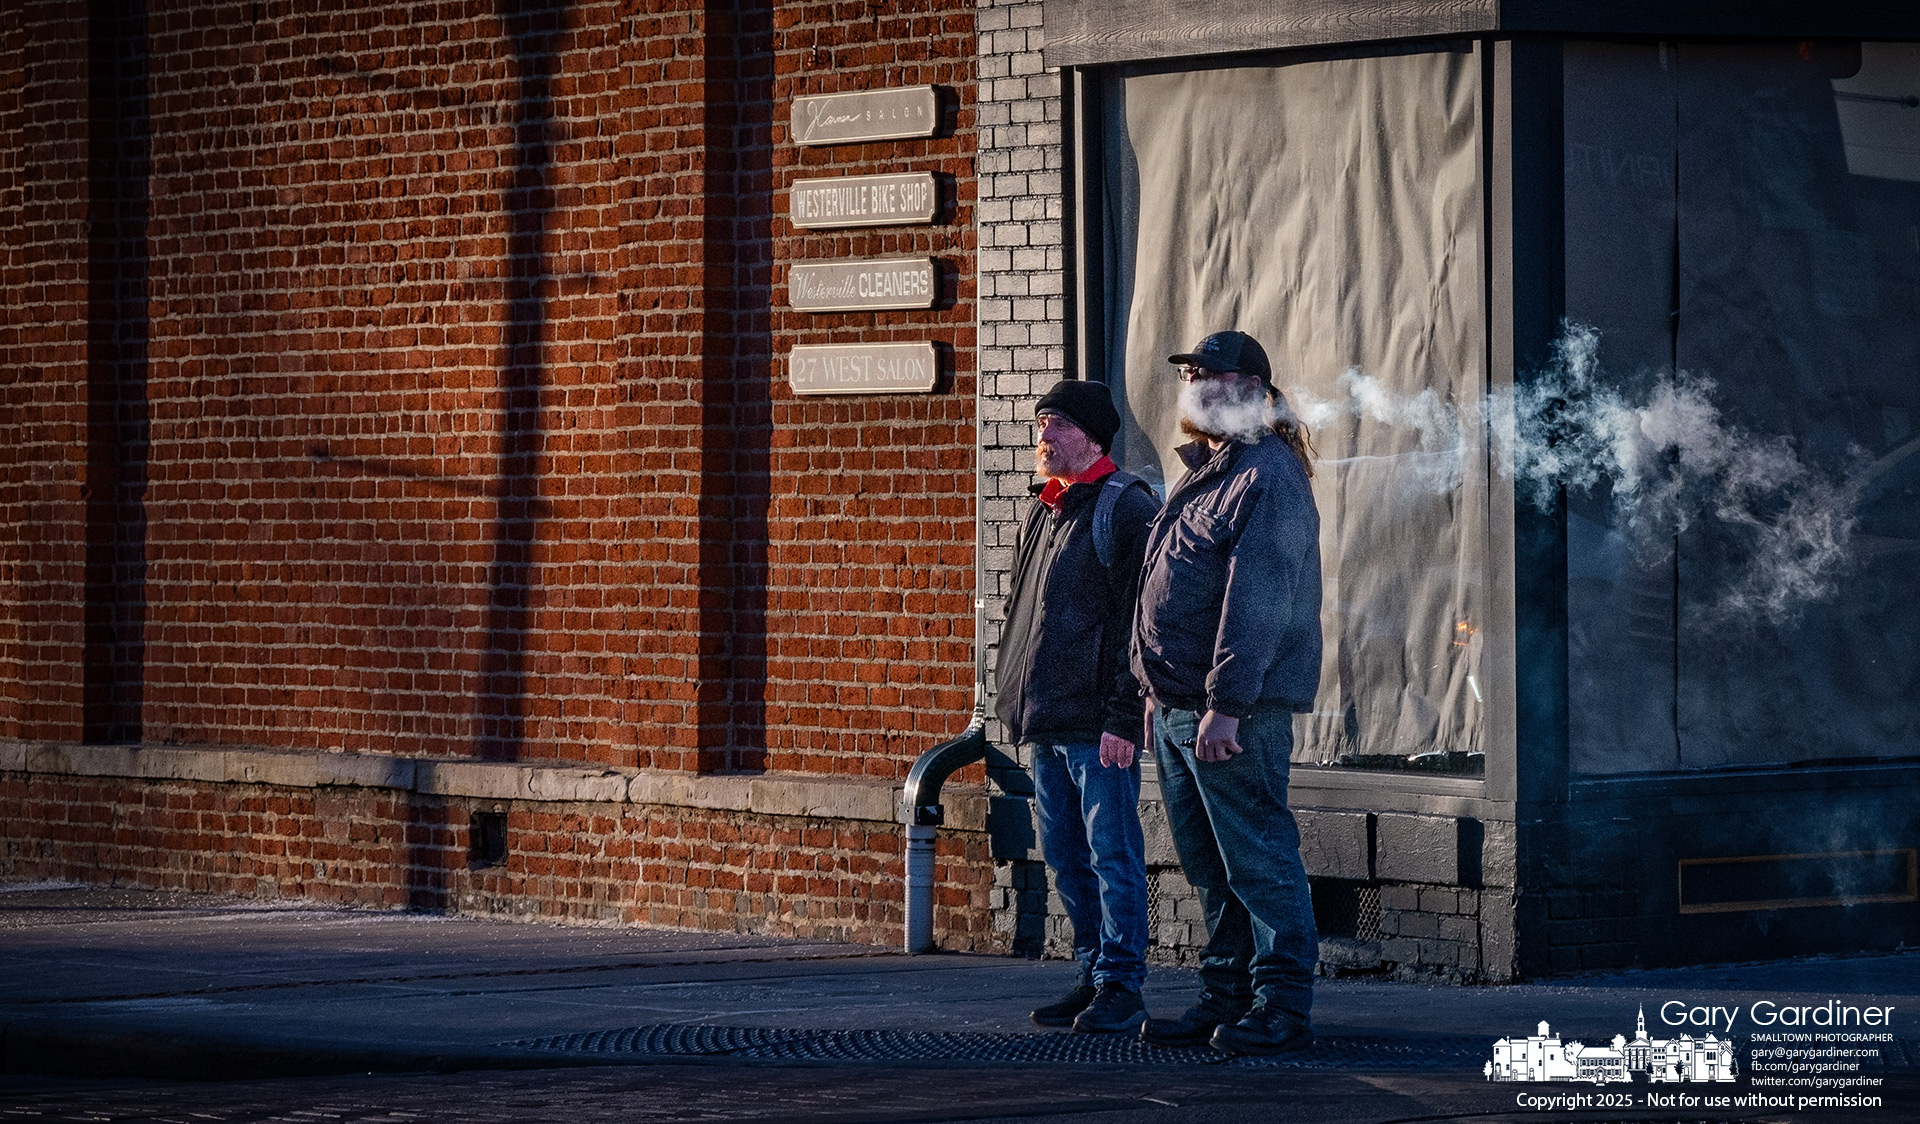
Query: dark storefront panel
[(1750, 215), (1798, 285), (1619, 279), (1333, 209)]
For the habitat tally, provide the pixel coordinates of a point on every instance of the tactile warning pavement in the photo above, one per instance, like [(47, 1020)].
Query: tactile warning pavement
[(761, 1044)]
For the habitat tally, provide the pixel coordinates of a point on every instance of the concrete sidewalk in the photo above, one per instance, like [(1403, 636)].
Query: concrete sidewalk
[(104, 982)]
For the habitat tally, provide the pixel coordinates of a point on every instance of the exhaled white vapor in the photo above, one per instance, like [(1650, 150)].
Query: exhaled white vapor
[(1671, 462), (1237, 410)]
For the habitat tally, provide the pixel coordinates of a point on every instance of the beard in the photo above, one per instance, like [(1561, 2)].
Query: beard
[(1046, 460), (1062, 461), (1227, 410)]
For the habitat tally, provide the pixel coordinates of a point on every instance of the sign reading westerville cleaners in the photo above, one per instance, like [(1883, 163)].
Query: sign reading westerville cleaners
[(856, 286), (891, 200), (865, 115), (862, 368)]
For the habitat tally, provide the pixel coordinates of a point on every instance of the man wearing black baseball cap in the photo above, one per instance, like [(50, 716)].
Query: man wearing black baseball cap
[(1226, 648), (1064, 694), (1229, 352)]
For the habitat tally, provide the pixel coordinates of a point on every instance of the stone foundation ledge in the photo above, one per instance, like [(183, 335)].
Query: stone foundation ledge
[(773, 794)]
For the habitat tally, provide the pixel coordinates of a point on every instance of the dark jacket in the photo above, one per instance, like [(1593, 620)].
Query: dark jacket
[(1063, 652), (1229, 610)]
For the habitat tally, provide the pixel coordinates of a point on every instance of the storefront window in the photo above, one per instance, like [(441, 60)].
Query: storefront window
[(1332, 208), (1749, 217)]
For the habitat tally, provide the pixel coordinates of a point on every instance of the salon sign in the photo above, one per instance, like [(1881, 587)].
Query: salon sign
[(865, 115)]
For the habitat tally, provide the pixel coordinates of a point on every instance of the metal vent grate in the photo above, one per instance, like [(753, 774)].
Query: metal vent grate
[(1367, 914), (487, 839), (751, 1043), (1345, 908)]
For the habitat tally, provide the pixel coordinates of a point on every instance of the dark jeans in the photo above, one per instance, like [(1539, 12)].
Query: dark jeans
[(1240, 848), (1090, 831)]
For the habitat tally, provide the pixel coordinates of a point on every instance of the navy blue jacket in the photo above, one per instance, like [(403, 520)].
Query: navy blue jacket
[(1229, 610)]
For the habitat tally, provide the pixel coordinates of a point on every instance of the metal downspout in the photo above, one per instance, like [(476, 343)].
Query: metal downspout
[(921, 810), (920, 807)]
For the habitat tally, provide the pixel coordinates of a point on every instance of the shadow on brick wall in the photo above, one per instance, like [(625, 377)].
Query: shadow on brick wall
[(737, 401), (535, 29), (118, 151)]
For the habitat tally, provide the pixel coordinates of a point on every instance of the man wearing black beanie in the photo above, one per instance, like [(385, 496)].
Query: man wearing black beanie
[(1065, 694)]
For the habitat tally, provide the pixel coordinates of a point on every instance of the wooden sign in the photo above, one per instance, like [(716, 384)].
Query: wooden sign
[(856, 286), (900, 199), (865, 115), (862, 368)]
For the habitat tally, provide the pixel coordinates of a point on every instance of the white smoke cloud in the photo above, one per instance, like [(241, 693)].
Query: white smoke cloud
[(1231, 408), (1670, 462), (1442, 426)]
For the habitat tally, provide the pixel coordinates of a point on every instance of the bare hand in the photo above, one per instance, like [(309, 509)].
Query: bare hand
[(1149, 723), (1116, 752), (1218, 737)]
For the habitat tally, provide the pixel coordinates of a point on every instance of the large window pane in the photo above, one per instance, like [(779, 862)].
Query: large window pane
[(1620, 170), (1768, 196), (1799, 272), (1332, 209)]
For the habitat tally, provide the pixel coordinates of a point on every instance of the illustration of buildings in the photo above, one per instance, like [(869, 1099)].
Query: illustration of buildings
[(1545, 1057), (1690, 1059), (1639, 1052), (1542, 1057), (1601, 1065)]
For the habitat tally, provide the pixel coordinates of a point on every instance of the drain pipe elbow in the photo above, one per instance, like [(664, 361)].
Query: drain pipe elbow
[(922, 813)]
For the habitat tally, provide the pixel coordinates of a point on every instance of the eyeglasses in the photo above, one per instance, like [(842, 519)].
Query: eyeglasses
[(1189, 372)]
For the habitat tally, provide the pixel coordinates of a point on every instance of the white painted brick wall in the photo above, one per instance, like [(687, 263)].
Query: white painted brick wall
[(1022, 261)]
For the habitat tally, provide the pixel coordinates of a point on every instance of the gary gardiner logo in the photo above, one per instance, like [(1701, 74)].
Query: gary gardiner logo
[(1545, 1057)]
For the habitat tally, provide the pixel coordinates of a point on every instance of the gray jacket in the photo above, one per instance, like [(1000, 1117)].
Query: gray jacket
[(1229, 610)]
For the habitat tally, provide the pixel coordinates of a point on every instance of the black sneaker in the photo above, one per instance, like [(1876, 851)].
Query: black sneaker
[(1069, 1006), (1191, 1029), (1262, 1031), (1116, 1010)]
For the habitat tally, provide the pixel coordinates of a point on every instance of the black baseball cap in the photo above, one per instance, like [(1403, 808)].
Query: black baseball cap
[(1229, 351)]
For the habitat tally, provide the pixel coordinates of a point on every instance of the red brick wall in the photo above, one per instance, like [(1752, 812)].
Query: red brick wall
[(378, 848), (386, 380), (462, 393), (43, 365), (870, 648)]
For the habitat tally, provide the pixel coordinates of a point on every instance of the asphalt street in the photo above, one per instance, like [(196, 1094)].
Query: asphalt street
[(125, 1005), (837, 1095)]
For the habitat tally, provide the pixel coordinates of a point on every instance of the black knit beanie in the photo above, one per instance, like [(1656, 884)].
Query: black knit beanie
[(1086, 404)]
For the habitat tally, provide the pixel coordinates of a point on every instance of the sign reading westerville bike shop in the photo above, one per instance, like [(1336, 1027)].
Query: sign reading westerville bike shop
[(899, 199)]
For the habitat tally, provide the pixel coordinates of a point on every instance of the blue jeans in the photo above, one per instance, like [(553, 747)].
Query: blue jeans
[(1240, 848), (1090, 831)]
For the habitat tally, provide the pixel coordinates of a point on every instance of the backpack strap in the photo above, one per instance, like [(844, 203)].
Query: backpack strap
[(1110, 489)]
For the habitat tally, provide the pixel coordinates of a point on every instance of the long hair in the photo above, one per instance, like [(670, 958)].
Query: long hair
[(1288, 427)]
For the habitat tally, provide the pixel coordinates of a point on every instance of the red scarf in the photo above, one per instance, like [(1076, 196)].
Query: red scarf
[(1056, 487)]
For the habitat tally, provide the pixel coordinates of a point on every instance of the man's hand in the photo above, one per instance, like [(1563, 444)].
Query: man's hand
[(1116, 752), (1218, 737)]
